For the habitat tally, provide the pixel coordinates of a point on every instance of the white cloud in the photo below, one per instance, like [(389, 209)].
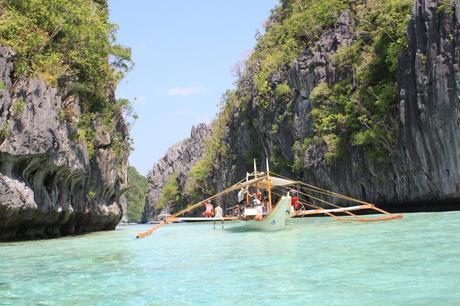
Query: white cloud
[(186, 91)]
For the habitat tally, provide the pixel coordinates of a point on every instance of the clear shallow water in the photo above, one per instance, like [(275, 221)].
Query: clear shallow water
[(413, 261)]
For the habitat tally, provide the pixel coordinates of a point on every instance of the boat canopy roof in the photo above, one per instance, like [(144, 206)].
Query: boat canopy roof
[(262, 182)]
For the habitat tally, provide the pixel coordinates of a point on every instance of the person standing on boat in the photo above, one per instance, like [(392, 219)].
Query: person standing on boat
[(219, 215), (209, 210), (241, 198), (257, 197)]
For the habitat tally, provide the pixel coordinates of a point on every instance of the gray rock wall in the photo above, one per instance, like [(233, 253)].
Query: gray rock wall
[(179, 159), (423, 173), (49, 185)]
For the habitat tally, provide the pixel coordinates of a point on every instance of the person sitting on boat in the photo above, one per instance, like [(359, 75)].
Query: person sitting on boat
[(295, 202), (259, 194), (256, 201), (209, 210), (256, 197), (219, 215), (265, 204)]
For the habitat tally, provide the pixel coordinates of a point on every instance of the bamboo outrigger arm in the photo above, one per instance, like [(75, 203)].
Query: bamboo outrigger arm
[(337, 209)]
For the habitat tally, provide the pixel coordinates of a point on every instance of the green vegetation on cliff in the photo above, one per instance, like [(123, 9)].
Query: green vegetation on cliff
[(136, 194), (169, 193), (70, 44), (360, 110), (198, 183), (64, 38), (354, 108), (292, 26)]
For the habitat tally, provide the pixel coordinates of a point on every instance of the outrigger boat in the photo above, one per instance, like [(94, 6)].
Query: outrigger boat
[(311, 201)]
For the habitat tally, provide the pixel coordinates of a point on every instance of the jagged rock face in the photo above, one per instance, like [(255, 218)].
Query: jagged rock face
[(49, 185), (179, 159), (424, 170), (423, 173), (251, 132)]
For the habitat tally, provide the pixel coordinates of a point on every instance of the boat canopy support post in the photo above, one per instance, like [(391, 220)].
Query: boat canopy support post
[(247, 190), (269, 207)]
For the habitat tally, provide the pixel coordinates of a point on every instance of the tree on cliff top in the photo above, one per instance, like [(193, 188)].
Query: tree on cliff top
[(70, 44), (63, 38)]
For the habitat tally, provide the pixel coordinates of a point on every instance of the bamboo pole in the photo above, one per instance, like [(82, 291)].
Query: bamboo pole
[(255, 176), (344, 197), (317, 207), (183, 211), (269, 207), (328, 203), (247, 190)]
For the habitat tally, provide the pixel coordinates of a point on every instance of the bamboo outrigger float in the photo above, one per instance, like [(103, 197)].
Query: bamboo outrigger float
[(312, 201)]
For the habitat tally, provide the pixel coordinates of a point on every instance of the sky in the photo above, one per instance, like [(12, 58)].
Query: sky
[(184, 52)]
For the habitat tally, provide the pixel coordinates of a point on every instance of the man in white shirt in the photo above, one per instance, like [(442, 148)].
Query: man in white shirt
[(219, 214), (241, 196)]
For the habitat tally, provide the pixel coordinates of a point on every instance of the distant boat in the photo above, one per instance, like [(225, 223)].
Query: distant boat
[(295, 199)]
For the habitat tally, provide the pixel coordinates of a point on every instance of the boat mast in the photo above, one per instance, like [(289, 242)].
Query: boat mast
[(255, 175), (269, 207), (247, 190)]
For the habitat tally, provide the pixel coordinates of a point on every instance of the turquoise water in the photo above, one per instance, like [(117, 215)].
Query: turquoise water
[(413, 261)]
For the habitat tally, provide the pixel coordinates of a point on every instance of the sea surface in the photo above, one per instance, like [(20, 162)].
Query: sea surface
[(315, 261)]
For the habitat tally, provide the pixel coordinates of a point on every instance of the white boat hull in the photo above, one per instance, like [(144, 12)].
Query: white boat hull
[(274, 221)]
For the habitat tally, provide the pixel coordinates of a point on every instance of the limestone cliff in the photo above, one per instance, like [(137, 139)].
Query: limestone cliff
[(421, 171), (50, 185), (178, 161)]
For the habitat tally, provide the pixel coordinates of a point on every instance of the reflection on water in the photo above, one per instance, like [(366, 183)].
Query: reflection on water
[(315, 261)]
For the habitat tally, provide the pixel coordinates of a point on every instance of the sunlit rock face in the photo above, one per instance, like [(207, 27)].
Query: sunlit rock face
[(423, 173), (49, 184), (178, 160)]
